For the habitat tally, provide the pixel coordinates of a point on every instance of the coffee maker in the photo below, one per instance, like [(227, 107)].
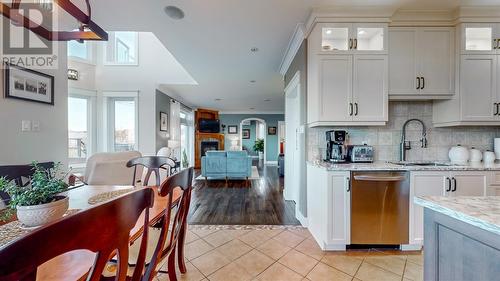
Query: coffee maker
[(336, 150)]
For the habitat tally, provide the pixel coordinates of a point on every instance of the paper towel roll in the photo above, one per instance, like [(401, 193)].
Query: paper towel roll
[(497, 147)]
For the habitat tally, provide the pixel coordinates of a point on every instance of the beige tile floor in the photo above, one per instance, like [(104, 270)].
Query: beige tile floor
[(219, 253)]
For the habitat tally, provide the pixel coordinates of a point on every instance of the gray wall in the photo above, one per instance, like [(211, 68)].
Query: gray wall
[(299, 63), (162, 104), (51, 142)]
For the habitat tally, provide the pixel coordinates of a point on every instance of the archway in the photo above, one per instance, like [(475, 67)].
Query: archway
[(265, 133)]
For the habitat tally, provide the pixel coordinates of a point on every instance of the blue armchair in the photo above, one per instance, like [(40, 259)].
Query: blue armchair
[(226, 165)]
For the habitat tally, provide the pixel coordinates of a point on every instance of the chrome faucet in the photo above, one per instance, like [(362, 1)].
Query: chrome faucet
[(406, 145)]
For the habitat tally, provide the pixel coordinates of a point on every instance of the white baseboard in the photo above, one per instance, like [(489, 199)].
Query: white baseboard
[(411, 247), (303, 220), (272, 163)]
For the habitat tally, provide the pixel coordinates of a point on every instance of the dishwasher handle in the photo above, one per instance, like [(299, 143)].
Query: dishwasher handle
[(379, 178)]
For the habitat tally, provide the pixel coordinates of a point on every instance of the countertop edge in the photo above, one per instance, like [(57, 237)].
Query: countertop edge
[(458, 215), (383, 166)]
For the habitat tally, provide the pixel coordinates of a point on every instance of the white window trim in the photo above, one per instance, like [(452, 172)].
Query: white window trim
[(109, 116), (91, 97), (90, 54), (136, 63)]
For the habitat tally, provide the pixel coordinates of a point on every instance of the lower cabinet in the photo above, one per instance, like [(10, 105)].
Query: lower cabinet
[(446, 183), (329, 207)]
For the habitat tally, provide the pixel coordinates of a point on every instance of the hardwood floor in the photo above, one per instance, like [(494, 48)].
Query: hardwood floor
[(238, 203)]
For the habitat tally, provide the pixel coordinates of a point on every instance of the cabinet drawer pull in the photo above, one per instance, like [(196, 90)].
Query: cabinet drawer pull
[(454, 185), (350, 109), (418, 83), (350, 44), (348, 184), (448, 189), (355, 44), (356, 109), (496, 109), (423, 83)]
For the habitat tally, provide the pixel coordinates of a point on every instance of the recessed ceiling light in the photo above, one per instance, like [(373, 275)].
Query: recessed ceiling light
[(254, 49), (218, 99), (174, 12), (252, 81), (267, 100)]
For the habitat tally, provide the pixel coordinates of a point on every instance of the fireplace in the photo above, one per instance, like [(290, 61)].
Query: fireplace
[(208, 145)]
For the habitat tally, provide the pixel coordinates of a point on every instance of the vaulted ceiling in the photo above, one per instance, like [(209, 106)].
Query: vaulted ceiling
[(214, 39)]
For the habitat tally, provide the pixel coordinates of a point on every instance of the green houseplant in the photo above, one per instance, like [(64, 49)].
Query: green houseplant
[(39, 202), (185, 161), (259, 147)]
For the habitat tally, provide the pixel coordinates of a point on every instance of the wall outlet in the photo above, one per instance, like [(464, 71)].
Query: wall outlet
[(35, 126), (25, 125)]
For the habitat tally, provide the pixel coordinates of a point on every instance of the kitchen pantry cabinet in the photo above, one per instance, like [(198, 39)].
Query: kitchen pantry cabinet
[(432, 183), (480, 38), (329, 207), (348, 90), (421, 63)]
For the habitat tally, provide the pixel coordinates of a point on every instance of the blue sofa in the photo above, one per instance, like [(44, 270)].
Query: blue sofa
[(226, 165)]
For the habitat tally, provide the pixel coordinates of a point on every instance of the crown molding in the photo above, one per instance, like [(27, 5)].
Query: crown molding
[(423, 18), (253, 112), (293, 47), (478, 14)]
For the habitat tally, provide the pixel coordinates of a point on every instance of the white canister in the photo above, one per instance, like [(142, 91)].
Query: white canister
[(459, 154), (489, 157), (475, 155)]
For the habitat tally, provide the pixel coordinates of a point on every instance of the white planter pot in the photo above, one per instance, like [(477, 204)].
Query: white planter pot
[(38, 215), (261, 155)]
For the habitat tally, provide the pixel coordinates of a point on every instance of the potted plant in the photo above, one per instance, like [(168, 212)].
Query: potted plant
[(40, 202), (185, 162), (259, 147)]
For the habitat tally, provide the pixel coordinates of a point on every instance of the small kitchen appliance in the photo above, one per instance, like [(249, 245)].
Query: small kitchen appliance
[(336, 150), (360, 153)]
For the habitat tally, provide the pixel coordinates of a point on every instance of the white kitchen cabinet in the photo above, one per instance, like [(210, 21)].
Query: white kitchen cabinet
[(329, 207), (421, 63), (350, 90), (480, 38), (350, 38), (445, 183)]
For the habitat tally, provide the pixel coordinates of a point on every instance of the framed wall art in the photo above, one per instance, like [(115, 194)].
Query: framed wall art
[(26, 84), (232, 129), (163, 122), (246, 134), (271, 131)]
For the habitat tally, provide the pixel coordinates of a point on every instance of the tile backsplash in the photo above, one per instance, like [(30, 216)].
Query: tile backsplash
[(386, 139)]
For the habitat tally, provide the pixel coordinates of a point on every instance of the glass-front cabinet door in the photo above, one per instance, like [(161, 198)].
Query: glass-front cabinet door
[(352, 38), (479, 38)]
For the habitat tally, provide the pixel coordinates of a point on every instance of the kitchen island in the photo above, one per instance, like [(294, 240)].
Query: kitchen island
[(462, 238)]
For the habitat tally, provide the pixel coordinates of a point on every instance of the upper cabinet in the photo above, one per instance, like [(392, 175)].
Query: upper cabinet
[(421, 63), (343, 38), (480, 38)]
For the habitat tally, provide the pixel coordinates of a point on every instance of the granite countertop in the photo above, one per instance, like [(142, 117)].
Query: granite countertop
[(482, 212), (386, 166)]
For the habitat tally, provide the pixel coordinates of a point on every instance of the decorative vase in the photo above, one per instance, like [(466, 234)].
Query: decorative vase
[(475, 155), (459, 154), (261, 155), (33, 216)]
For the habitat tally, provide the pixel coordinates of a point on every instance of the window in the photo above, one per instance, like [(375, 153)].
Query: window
[(80, 51), (80, 125), (122, 117), (187, 137), (122, 48)]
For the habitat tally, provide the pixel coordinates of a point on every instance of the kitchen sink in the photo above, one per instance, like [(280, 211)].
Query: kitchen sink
[(424, 164)]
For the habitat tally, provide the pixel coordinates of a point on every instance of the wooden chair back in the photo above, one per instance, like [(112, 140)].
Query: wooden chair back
[(103, 229), (20, 174), (152, 164), (171, 226)]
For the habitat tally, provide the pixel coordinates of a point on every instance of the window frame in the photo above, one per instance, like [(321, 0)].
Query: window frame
[(110, 98), (90, 54), (91, 97), (115, 63)]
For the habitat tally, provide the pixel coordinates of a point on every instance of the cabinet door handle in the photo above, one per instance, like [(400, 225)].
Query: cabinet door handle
[(356, 109), (348, 179), (448, 189), (418, 83), (355, 44), (498, 44), (423, 83), (350, 109), (495, 44), (496, 109), (350, 44), (454, 185)]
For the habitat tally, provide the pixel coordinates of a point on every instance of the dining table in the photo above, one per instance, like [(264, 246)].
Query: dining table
[(75, 265)]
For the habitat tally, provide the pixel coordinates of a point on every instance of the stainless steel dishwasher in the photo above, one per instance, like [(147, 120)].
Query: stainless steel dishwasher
[(380, 208)]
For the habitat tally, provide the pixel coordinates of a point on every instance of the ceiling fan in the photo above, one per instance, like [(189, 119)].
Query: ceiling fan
[(88, 30)]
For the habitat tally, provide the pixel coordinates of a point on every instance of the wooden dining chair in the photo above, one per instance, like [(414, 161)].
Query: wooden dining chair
[(103, 229), (173, 228), (153, 164)]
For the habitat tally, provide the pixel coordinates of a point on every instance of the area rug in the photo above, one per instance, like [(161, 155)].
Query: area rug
[(255, 175)]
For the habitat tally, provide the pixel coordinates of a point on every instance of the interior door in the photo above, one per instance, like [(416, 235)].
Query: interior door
[(403, 61), (478, 87), (370, 91), (436, 57), (335, 77), (424, 184), (470, 183)]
